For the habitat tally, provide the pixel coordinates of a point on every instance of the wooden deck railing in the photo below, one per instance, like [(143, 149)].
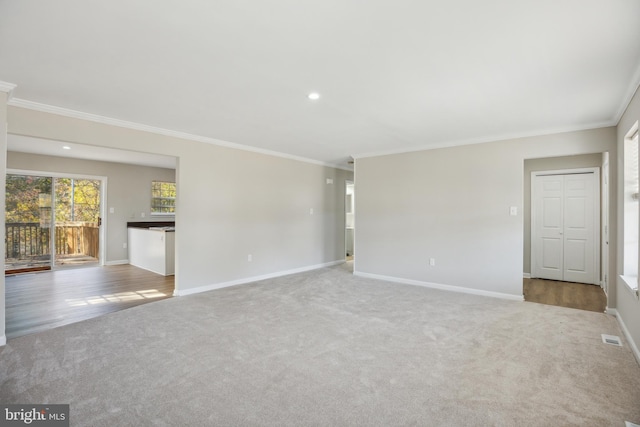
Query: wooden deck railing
[(30, 240)]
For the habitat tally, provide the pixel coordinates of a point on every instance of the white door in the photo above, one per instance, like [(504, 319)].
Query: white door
[(564, 227)]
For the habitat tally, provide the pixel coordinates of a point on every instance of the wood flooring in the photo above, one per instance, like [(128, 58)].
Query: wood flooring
[(39, 301), (565, 294)]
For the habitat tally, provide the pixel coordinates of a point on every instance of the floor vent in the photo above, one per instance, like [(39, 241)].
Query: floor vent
[(611, 339)]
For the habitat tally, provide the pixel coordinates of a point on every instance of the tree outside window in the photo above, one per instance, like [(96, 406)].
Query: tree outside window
[(163, 198)]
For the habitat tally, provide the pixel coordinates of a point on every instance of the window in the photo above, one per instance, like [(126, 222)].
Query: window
[(631, 209), (163, 198)]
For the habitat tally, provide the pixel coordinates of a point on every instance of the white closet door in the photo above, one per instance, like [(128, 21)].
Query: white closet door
[(549, 244), (579, 245), (564, 230)]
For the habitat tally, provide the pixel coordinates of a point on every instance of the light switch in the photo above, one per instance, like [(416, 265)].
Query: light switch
[(112, 210), (513, 211)]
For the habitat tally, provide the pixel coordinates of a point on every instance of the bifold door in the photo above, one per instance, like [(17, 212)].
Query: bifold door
[(565, 226)]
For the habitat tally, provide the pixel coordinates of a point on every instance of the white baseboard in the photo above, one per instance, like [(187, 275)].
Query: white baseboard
[(117, 262), (611, 311), (526, 275), (3, 340), (632, 344), (184, 292), (441, 287)]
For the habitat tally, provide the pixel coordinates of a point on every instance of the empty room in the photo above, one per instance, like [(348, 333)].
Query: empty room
[(370, 213)]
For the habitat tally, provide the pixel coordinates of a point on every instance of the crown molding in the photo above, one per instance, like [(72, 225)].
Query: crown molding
[(631, 91), (7, 87), (482, 140), (52, 109)]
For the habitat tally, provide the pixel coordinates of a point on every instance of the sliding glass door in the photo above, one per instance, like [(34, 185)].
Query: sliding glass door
[(51, 215)]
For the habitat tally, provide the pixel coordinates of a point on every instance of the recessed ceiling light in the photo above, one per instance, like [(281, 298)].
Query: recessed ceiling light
[(313, 96), (66, 147)]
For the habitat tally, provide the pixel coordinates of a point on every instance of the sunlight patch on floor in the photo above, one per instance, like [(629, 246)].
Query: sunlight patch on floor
[(119, 297)]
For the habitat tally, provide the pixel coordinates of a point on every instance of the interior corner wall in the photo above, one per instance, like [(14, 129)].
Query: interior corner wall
[(128, 192), (453, 205), (627, 304), (547, 164), (230, 202)]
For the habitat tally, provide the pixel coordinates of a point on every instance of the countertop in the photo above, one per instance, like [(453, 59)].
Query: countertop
[(154, 225)]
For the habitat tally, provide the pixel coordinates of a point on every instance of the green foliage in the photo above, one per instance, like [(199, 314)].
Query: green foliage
[(163, 197), (77, 200), (23, 198), (28, 199)]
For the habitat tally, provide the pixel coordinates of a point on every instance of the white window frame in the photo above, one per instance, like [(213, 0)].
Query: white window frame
[(153, 198), (631, 210)]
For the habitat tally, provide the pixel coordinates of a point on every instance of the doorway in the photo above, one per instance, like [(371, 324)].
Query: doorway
[(349, 220), (565, 225), (52, 221)]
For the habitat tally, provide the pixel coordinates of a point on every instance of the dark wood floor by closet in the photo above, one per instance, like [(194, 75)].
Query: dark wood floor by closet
[(565, 294), (39, 301)]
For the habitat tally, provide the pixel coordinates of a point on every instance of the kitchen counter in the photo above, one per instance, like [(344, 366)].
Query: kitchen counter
[(152, 247)]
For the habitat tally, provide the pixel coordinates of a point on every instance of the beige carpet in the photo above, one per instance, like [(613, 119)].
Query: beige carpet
[(325, 348)]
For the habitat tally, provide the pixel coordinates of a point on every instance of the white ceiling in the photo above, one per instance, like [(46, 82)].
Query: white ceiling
[(393, 75)]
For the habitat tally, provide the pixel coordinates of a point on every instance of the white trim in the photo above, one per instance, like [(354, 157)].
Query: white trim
[(7, 87), (596, 218), (485, 139), (117, 262), (36, 106), (526, 275), (439, 286), (611, 311), (246, 280), (627, 335), (631, 91), (3, 340)]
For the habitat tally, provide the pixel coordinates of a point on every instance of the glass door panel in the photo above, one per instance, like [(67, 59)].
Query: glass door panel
[(77, 219), (28, 221)]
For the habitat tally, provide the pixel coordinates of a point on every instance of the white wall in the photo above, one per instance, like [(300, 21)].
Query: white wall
[(231, 203), (452, 204), (627, 304), (128, 191)]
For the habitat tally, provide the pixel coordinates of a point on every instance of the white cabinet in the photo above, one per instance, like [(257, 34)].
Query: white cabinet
[(152, 249)]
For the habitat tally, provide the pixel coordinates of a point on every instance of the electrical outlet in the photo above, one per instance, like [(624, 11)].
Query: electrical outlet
[(311, 211), (112, 210), (142, 214), (249, 257), (432, 262), (124, 245)]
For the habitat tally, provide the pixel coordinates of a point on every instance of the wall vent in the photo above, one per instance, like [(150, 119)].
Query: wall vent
[(611, 339)]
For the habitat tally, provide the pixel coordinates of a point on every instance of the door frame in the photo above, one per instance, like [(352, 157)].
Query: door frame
[(605, 228), (103, 198), (348, 183), (597, 206)]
